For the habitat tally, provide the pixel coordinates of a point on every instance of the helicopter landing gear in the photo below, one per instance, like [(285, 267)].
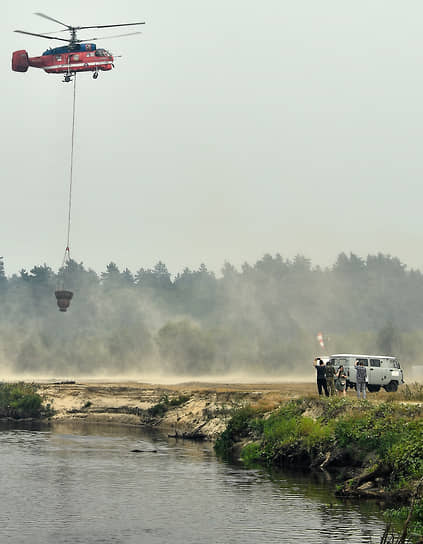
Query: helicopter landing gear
[(95, 75), (68, 77)]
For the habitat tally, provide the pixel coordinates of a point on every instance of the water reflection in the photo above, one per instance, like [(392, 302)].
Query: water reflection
[(81, 483)]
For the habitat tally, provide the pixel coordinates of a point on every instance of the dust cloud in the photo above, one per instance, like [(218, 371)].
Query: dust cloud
[(255, 324)]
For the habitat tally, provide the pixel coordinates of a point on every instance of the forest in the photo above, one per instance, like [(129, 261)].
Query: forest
[(261, 320)]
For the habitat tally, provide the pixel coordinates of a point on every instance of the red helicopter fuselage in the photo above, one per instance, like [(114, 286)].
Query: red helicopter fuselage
[(83, 57)]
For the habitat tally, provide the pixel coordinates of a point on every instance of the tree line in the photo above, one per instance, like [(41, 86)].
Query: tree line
[(260, 319)]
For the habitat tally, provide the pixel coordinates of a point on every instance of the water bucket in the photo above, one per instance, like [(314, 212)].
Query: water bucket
[(63, 299)]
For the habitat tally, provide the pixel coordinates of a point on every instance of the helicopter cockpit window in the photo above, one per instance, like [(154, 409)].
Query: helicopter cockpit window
[(102, 53)]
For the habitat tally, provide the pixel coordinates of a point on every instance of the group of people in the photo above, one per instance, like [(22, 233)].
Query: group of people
[(332, 380)]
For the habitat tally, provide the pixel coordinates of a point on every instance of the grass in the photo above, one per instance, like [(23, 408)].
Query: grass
[(380, 439), (410, 518), (412, 392), (306, 429)]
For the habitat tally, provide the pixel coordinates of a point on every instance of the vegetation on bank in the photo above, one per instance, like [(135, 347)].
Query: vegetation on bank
[(374, 449), (411, 519), (159, 409), (20, 400), (413, 392)]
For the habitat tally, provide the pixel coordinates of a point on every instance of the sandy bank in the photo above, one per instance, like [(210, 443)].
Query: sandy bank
[(203, 415)]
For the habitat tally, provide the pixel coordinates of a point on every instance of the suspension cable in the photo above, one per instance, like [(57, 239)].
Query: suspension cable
[(67, 251), (66, 256)]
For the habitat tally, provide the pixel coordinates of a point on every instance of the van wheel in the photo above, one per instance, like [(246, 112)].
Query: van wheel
[(391, 387), (373, 388)]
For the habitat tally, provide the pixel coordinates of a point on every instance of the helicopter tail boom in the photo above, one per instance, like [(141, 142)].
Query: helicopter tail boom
[(20, 61)]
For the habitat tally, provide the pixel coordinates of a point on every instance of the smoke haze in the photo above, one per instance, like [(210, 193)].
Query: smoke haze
[(259, 322)]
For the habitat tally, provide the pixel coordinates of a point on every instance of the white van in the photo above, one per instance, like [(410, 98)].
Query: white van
[(382, 371)]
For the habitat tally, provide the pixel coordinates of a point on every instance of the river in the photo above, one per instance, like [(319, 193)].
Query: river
[(76, 483)]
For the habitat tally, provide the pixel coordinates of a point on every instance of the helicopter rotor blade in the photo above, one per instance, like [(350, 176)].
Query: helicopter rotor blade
[(110, 37), (51, 19), (55, 32), (41, 36), (109, 26)]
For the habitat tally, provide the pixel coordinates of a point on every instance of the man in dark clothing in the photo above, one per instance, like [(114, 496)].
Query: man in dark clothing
[(321, 376), (330, 378)]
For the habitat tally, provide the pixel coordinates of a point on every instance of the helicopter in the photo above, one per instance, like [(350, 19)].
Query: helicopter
[(76, 56)]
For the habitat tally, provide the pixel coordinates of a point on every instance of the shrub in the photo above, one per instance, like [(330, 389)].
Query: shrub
[(279, 431), (313, 433), (400, 515), (242, 422), (405, 457), (376, 427), (251, 453), (159, 409), (19, 400)]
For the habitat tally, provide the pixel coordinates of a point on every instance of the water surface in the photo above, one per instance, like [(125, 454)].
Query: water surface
[(82, 484)]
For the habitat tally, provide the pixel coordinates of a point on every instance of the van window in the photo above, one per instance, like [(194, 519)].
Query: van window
[(389, 363), (375, 362), (364, 361), (338, 361)]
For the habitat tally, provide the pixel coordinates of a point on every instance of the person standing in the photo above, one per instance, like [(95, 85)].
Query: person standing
[(361, 379), (321, 376), (330, 378), (341, 381)]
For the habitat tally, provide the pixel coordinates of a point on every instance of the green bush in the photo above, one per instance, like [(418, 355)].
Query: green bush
[(159, 409), (251, 453), (400, 515), (333, 407), (406, 456), (313, 434), (178, 401), (281, 428), (391, 432), (19, 400), (372, 428), (242, 422), (288, 429)]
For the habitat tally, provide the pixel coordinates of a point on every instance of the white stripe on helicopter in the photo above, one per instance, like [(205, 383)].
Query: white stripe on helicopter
[(77, 65)]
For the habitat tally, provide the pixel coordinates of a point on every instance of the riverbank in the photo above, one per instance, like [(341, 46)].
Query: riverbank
[(372, 449), (187, 407), (187, 410)]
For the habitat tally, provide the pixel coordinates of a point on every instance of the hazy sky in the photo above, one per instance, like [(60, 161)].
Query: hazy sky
[(227, 130)]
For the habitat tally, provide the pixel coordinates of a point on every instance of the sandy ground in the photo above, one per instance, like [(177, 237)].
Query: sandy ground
[(204, 414), (66, 397)]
